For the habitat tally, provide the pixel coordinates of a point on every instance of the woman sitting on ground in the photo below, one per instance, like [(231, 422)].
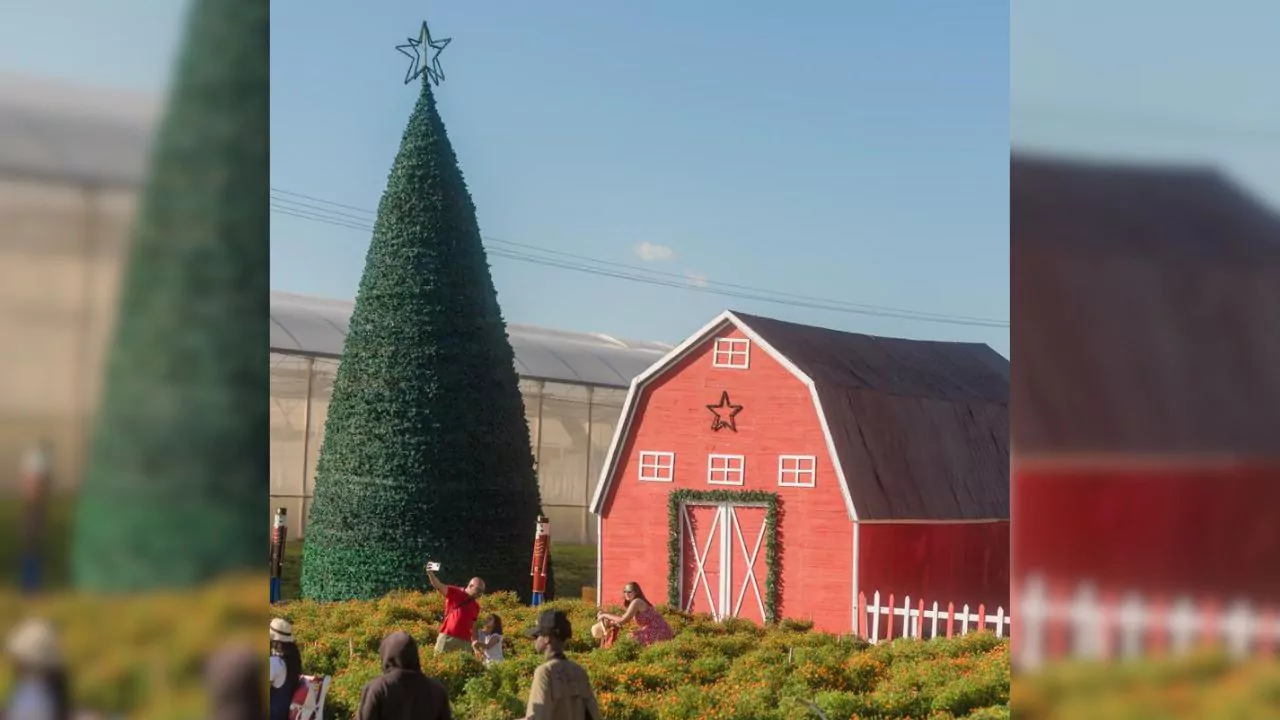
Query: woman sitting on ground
[(651, 627)]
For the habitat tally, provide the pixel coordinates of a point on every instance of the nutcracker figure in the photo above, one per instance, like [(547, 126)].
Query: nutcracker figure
[(541, 552), (279, 533)]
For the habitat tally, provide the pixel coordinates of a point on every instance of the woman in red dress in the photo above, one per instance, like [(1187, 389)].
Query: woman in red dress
[(651, 627)]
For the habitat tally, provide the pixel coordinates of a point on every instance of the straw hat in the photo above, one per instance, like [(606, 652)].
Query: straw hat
[(282, 630), (34, 643)]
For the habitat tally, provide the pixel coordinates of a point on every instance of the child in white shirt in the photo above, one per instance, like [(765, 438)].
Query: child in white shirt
[(488, 643)]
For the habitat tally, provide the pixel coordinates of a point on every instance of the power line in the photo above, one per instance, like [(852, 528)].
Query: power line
[(684, 281), (355, 218)]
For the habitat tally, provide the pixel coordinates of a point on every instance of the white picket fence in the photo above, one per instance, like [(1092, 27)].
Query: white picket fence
[(941, 621), (1085, 625)]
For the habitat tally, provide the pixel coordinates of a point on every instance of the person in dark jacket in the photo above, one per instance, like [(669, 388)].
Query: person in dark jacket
[(403, 692)]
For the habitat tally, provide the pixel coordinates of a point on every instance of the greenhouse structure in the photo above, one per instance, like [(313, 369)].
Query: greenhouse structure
[(72, 160), (573, 386)]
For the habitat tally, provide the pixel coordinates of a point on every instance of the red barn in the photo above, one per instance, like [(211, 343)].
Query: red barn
[(769, 469)]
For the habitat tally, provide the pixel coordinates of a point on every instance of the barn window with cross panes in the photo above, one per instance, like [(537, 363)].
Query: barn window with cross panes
[(657, 466), (725, 469), (797, 470), (732, 353)]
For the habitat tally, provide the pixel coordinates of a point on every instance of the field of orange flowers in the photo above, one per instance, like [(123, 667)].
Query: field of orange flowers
[(710, 671), (143, 657)]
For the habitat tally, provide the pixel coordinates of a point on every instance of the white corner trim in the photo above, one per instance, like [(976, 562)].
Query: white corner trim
[(623, 431), (655, 458), (731, 349), (599, 560), (742, 469), (812, 473), (817, 406), (856, 618)]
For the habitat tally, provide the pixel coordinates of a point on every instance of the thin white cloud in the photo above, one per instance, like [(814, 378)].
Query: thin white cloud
[(696, 278), (649, 252)]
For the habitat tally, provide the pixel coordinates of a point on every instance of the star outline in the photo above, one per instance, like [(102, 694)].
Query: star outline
[(432, 69), (722, 420)]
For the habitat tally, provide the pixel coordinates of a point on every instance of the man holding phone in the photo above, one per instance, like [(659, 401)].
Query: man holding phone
[(461, 609)]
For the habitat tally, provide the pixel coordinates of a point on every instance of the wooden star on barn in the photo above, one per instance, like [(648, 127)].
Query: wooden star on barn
[(724, 413)]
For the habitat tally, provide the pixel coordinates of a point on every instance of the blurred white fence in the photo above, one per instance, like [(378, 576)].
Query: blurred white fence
[(1082, 623)]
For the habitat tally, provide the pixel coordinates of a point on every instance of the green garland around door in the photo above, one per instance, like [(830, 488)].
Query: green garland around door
[(771, 549)]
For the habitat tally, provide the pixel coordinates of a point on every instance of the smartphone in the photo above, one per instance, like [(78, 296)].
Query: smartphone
[(433, 566)]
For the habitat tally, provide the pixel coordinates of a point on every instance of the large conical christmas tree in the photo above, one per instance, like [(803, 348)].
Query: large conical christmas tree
[(176, 488), (426, 451)]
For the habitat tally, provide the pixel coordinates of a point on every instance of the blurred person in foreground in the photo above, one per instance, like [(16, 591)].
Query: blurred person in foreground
[(40, 689), (36, 488), (461, 610), (235, 685), (403, 692), (561, 689)]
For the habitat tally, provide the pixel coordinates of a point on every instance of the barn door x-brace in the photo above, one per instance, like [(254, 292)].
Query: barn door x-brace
[(725, 560)]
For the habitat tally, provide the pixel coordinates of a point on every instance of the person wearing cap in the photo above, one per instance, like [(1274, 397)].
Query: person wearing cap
[(286, 668), (561, 689), (461, 610), (40, 690)]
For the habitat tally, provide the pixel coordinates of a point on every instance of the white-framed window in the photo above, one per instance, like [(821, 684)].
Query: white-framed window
[(797, 470), (657, 466), (733, 353), (725, 469)]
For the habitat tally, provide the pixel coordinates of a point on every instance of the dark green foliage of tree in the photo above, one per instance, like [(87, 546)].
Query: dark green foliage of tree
[(176, 487), (426, 449)]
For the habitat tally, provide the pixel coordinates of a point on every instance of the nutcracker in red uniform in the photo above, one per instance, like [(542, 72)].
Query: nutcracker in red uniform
[(541, 553), (279, 533)]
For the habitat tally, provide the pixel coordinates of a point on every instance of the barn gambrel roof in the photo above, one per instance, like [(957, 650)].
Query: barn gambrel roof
[(1147, 300), (917, 430)]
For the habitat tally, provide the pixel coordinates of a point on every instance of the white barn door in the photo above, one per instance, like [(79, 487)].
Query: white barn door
[(722, 563)]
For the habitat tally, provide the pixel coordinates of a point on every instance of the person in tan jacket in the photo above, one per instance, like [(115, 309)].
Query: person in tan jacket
[(561, 689)]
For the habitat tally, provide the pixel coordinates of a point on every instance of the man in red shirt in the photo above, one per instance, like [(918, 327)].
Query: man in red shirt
[(461, 608)]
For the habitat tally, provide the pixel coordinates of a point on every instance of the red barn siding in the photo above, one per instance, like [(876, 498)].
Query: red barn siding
[(777, 418), (942, 562), (1158, 528)]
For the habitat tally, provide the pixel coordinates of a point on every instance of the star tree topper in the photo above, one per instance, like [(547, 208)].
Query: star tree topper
[(725, 413), (418, 68)]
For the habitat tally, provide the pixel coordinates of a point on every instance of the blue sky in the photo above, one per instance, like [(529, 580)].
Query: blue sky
[(852, 153), (1151, 81)]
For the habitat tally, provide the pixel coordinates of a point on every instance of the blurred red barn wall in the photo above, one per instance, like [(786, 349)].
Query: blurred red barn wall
[(1146, 381)]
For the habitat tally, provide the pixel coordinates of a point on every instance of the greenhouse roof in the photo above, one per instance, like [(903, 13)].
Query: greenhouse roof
[(65, 134), (303, 325)]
